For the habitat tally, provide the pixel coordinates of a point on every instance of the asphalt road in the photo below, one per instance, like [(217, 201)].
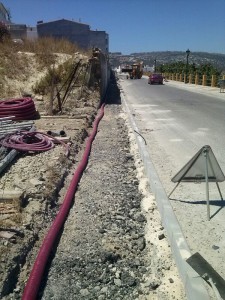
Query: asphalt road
[(180, 122), (176, 123)]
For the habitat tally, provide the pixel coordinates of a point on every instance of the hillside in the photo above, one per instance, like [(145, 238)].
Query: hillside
[(163, 57), (33, 179)]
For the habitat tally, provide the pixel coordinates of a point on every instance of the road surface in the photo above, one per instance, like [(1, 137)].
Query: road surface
[(176, 123)]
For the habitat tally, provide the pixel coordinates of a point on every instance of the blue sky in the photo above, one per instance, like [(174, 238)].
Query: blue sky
[(136, 25)]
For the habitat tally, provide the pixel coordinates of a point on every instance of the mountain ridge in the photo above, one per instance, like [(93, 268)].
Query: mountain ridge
[(163, 57)]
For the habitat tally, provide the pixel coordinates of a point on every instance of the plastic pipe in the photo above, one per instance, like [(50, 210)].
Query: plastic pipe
[(34, 281), (56, 133), (20, 108)]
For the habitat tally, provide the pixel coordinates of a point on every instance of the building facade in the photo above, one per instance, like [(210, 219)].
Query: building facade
[(17, 31), (32, 33), (75, 32), (99, 39), (4, 14)]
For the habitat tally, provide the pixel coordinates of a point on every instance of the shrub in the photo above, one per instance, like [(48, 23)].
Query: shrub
[(4, 32)]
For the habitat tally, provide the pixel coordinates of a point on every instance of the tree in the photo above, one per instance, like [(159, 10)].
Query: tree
[(180, 67), (4, 32)]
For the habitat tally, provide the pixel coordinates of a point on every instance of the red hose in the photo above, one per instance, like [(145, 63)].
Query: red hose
[(28, 141), (20, 108), (31, 141), (34, 281)]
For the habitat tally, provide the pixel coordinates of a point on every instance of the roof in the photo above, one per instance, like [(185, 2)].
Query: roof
[(42, 22), (2, 7)]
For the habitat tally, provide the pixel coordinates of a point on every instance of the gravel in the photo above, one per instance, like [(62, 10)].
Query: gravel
[(113, 245)]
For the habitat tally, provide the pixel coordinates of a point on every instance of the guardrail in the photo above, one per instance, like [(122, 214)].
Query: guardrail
[(221, 85), (197, 79)]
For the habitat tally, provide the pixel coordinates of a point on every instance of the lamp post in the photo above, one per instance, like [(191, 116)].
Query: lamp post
[(187, 53), (155, 65)]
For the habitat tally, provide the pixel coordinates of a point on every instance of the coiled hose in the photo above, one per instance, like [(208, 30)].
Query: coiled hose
[(19, 108), (34, 281), (33, 141), (28, 141)]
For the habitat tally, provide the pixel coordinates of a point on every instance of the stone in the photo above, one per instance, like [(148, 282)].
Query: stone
[(161, 236), (117, 282), (84, 292)]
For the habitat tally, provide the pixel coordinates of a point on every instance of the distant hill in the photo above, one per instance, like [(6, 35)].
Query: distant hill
[(163, 57)]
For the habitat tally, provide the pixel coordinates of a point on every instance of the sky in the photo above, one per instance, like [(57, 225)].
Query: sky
[(136, 25)]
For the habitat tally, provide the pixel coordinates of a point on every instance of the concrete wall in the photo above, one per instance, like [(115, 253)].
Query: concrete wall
[(105, 73), (99, 71)]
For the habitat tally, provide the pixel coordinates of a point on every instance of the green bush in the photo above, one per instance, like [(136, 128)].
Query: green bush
[(182, 68)]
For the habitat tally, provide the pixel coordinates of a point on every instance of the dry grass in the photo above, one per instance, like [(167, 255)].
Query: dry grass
[(14, 66), (59, 76), (49, 45)]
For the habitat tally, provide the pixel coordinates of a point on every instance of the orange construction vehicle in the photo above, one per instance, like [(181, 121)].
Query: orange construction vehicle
[(135, 70)]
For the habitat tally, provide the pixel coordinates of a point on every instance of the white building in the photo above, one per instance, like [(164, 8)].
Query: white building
[(4, 14)]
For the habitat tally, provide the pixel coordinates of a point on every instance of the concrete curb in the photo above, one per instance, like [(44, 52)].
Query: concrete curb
[(194, 285)]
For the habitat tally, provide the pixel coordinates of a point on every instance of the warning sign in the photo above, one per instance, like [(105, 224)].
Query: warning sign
[(195, 169), (203, 167)]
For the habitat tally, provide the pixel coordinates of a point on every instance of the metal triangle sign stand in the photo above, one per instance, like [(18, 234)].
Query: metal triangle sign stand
[(203, 167)]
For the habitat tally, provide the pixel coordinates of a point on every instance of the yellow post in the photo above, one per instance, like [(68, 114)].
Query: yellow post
[(204, 79), (213, 82), (190, 78), (177, 76), (173, 76), (223, 77), (180, 77), (196, 79)]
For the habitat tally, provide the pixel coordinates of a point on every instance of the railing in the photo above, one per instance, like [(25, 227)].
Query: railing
[(195, 79)]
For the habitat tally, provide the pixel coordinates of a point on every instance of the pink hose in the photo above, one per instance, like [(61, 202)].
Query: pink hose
[(28, 141), (34, 281), (31, 141), (20, 108)]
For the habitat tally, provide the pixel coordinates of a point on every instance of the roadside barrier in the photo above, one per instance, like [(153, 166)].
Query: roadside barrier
[(196, 79)]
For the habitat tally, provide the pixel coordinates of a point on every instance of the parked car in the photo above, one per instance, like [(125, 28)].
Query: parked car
[(155, 78)]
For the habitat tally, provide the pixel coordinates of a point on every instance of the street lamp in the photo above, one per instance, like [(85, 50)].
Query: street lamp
[(155, 65), (187, 53)]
